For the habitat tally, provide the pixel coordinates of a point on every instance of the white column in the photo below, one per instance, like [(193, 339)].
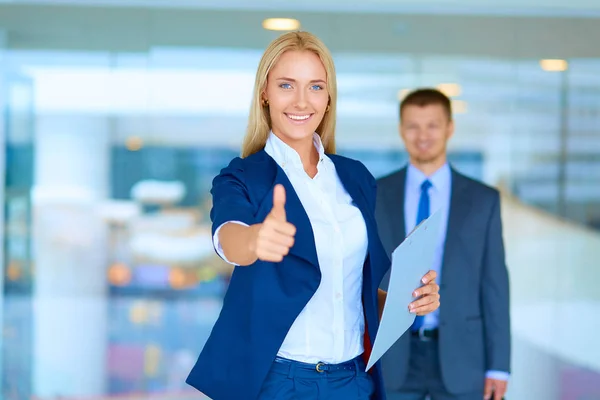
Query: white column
[(70, 322), (3, 90)]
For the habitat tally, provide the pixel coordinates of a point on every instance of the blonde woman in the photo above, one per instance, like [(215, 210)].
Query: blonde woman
[(297, 221)]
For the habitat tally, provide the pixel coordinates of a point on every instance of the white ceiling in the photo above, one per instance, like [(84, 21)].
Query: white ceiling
[(580, 8), (48, 26)]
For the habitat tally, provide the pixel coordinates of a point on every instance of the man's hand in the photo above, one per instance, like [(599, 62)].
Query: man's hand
[(496, 386)]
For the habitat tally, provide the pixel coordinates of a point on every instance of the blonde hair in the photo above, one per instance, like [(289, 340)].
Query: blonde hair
[(259, 121)]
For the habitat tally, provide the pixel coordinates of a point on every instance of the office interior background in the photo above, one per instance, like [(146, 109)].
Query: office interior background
[(116, 115)]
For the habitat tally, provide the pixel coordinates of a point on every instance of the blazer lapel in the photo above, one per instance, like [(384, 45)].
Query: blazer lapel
[(394, 204), (304, 245), (354, 190), (460, 206)]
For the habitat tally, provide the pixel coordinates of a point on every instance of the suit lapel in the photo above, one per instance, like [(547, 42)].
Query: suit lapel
[(349, 183), (460, 206), (395, 206), (354, 190), (304, 246)]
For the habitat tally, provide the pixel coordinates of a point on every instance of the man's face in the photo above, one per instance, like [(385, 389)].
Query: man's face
[(425, 132)]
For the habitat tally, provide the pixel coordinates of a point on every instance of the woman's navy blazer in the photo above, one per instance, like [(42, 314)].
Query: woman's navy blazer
[(264, 299)]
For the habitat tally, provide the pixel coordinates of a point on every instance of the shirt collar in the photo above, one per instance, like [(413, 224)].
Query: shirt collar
[(440, 179), (284, 155)]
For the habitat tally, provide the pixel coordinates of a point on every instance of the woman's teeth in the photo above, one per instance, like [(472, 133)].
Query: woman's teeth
[(298, 117)]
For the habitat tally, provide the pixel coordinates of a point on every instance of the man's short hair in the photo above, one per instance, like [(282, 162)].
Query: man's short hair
[(425, 97)]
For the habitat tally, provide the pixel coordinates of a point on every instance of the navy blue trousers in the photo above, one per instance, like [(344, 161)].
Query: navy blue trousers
[(293, 380)]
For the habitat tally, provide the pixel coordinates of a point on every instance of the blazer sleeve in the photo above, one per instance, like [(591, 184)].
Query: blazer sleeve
[(230, 197), (495, 295)]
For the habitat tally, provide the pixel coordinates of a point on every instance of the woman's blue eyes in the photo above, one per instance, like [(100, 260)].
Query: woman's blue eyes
[(288, 86)]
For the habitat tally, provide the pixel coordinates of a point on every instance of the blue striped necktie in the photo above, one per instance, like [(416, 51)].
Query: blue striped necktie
[(422, 213)]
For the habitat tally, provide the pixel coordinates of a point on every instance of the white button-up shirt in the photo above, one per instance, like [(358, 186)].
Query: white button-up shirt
[(331, 326)]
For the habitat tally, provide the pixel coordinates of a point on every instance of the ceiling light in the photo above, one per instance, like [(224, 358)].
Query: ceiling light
[(450, 89), (459, 106), (281, 24), (554, 65), (402, 94)]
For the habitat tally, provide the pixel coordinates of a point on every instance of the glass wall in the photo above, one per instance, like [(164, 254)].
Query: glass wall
[(111, 285)]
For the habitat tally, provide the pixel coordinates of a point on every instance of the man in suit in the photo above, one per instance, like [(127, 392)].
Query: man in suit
[(462, 351)]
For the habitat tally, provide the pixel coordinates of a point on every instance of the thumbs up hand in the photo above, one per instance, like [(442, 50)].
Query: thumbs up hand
[(278, 210), (275, 236)]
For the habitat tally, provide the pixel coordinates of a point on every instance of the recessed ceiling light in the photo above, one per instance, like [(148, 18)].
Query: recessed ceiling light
[(402, 94), (459, 106), (281, 24), (554, 65), (450, 89)]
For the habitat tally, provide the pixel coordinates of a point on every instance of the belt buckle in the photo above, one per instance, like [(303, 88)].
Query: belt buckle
[(422, 336), (318, 367)]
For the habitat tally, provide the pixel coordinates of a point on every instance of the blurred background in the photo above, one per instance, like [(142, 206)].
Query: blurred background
[(117, 114)]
